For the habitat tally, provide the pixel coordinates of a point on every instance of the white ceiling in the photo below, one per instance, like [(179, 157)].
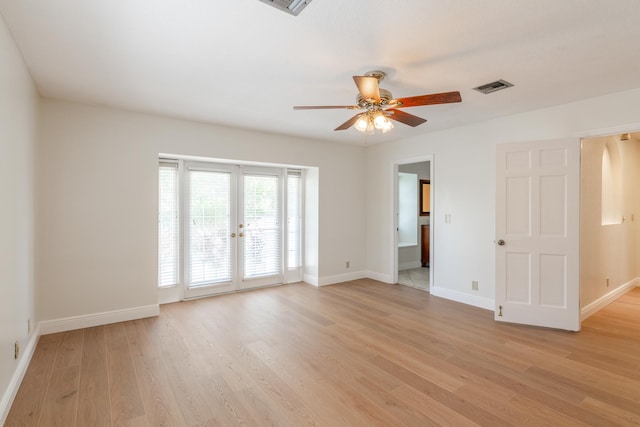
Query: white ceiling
[(244, 63)]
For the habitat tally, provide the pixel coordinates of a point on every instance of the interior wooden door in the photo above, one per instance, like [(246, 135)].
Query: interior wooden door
[(537, 233)]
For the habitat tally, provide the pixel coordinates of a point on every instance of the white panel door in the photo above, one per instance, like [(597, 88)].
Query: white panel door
[(537, 233)]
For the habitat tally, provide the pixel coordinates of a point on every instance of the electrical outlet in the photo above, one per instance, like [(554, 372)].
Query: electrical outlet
[(16, 350), (348, 264), (474, 285)]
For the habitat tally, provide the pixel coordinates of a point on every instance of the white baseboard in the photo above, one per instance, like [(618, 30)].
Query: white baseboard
[(380, 277), (330, 280), (474, 300), (607, 299), (312, 280), (18, 375), (98, 319), (170, 294), (339, 278)]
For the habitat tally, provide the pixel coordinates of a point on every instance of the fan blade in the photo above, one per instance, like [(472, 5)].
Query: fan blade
[(406, 118), (435, 98), (325, 107), (368, 87), (348, 123)]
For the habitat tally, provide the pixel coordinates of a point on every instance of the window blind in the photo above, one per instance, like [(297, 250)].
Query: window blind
[(262, 247), (209, 227), (168, 224)]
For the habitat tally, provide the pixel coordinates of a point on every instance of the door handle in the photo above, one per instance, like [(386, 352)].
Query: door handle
[(233, 235), (241, 235), (500, 242)]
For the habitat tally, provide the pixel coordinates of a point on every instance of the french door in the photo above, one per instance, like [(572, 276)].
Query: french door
[(233, 229)]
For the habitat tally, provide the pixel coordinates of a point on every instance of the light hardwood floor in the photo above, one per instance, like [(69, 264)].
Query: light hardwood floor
[(360, 353)]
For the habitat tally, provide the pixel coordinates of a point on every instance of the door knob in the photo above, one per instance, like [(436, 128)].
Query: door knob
[(241, 235), (500, 242), (233, 235)]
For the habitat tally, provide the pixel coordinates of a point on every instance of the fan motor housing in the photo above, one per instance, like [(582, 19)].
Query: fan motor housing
[(385, 97)]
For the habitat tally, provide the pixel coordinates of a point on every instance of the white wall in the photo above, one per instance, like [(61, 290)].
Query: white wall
[(97, 182), (608, 251), (18, 117), (464, 170)]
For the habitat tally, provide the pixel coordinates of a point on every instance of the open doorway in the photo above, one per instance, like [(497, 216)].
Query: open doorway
[(413, 203), (609, 209)]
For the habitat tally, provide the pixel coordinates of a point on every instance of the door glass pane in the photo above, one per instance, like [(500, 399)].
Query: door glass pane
[(209, 227), (262, 255)]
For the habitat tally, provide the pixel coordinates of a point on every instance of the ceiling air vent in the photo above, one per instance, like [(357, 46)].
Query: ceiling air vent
[(493, 87), (293, 7)]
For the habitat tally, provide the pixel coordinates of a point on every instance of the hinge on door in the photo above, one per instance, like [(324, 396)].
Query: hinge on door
[(499, 311)]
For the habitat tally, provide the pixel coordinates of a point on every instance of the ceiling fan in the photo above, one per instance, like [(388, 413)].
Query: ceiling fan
[(379, 105)]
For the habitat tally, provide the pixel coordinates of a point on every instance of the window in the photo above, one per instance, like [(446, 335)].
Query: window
[(294, 220), (168, 225)]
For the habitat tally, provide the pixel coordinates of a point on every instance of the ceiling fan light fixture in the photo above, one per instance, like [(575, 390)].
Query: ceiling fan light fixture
[(387, 126), (363, 123), (378, 105), (371, 129), (380, 121), (371, 120)]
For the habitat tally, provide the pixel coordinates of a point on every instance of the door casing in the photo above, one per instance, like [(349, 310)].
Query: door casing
[(394, 213)]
